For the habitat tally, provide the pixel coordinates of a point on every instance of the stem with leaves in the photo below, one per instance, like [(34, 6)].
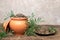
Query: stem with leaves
[(32, 25), (11, 15)]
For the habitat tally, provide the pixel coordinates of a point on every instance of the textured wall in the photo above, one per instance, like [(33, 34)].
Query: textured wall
[(49, 10)]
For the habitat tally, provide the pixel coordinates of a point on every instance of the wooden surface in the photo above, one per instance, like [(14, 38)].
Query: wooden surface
[(54, 37)]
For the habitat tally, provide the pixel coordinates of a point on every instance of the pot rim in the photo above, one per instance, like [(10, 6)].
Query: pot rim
[(19, 18)]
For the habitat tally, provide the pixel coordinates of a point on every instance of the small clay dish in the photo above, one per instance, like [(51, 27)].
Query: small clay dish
[(46, 31), (49, 34)]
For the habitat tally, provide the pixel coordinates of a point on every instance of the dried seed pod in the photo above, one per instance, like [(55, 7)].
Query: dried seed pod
[(20, 15)]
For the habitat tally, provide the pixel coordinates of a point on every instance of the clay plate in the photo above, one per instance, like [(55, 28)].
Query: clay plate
[(50, 34)]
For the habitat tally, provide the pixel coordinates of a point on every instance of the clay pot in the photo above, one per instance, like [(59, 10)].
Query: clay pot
[(18, 25), (5, 25)]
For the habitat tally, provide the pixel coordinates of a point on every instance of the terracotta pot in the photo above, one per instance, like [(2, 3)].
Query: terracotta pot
[(5, 24), (18, 25)]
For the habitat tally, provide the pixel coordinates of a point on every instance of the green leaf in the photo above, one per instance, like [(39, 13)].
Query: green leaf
[(6, 18), (12, 14), (32, 15)]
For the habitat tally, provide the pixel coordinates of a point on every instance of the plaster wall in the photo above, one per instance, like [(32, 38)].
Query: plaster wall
[(48, 10)]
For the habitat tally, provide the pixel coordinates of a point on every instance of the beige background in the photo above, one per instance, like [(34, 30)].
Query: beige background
[(48, 10)]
